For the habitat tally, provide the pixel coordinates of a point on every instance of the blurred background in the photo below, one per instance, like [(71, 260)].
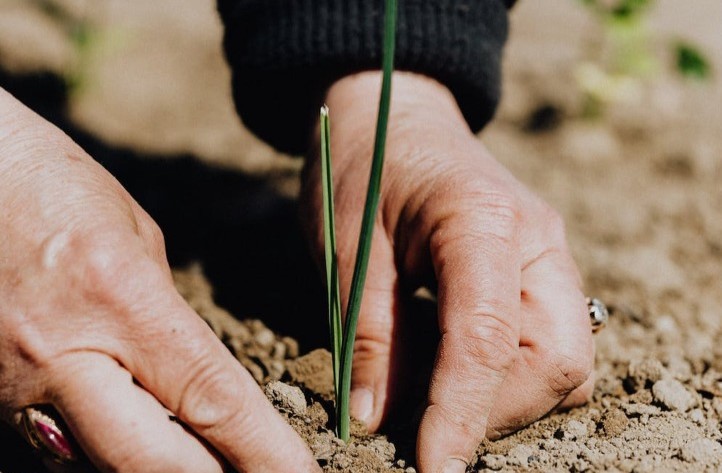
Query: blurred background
[(612, 111)]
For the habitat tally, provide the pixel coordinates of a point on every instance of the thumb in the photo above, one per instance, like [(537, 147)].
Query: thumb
[(375, 348)]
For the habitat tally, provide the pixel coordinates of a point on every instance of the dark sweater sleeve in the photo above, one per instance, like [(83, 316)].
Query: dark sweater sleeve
[(284, 54)]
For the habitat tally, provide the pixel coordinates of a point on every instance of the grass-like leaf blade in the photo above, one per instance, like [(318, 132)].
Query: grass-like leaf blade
[(367, 224), (329, 238)]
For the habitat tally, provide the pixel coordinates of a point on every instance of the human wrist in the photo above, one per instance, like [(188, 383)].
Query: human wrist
[(417, 101)]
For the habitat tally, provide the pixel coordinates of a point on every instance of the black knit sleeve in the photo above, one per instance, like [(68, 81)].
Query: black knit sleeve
[(284, 54)]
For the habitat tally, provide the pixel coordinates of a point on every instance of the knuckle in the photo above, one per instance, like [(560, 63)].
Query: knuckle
[(112, 276), (489, 341), (501, 207), (101, 268), (371, 348), (480, 219), (209, 396), (463, 417)]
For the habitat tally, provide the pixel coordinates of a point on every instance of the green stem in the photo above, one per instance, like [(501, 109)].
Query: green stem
[(367, 224), (329, 234)]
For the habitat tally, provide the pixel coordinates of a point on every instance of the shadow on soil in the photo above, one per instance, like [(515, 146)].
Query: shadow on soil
[(245, 235)]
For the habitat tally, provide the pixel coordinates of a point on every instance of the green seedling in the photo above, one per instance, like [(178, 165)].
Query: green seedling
[(342, 337)]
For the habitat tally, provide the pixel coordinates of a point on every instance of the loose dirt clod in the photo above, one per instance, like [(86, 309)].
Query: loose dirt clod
[(575, 430), (702, 451), (286, 397), (672, 394), (644, 373)]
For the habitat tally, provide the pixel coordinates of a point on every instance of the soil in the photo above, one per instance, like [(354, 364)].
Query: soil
[(638, 187)]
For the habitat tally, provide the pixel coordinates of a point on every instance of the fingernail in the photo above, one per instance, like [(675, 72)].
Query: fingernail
[(453, 465), (362, 404)]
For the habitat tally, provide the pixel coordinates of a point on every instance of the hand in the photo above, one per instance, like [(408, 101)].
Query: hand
[(91, 323), (515, 333)]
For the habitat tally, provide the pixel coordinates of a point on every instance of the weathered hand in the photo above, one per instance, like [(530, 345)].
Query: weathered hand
[(515, 333), (91, 323)]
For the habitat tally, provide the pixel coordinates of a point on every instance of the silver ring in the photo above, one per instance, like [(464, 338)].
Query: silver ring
[(598, 313), (47, 435)]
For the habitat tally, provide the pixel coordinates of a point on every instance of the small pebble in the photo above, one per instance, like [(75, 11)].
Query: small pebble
[(265, 338), (673, 395), (634, 409), (519, 455), (287, 397), (278, 352), (575, 430), (494, 462), (697, 416), (704, 451), (291, 347)]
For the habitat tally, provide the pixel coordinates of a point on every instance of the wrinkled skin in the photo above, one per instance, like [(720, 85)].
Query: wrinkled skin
[(87, 306), (90, 321), (515, 333)]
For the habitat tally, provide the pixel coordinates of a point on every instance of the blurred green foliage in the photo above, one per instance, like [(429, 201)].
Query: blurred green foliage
[(691, 62), (82, 34), (625, 56)]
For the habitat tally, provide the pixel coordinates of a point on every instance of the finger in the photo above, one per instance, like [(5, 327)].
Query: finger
[(179, 359), (478, 271), (376, 348), (556, 354), (120, 426)]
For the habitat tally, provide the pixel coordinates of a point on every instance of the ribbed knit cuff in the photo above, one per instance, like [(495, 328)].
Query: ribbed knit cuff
[(284, 55)]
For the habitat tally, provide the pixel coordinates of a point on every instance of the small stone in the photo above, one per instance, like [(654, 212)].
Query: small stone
[(276, 368), (702, 451), (291, 347), (322, 449), (410, 469), (239, 332), (401, 463), (697, 417), (265, 338), (278, 352), (679, 368), (575, 430), (634, 409), (673, 395), (519, 455), (494, 462), (286, 397)]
